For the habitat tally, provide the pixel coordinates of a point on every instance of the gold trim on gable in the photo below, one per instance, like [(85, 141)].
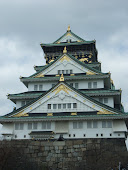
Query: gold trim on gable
[(60, 88), (90, 73), (104, 111), (39, 75), (20, 114), (64, 58), (68, 34)]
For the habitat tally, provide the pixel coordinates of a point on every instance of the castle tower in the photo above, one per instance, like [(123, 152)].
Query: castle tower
[(69, 96)]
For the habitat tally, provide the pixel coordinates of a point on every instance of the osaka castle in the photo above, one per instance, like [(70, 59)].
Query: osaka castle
[(69, 97)]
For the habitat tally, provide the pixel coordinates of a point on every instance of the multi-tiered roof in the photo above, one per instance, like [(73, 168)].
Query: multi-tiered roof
[(80, 55)]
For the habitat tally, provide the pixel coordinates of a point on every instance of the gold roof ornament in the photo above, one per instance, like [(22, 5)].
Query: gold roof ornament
[(62, 77), (68, 28), (65, 50)]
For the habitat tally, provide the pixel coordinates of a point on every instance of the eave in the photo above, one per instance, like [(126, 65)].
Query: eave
[(64, 118)]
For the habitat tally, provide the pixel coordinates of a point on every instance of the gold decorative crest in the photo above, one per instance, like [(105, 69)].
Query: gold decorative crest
[(83, 59), (68, 28), (49, 114), (90, 73), (20, 114), (39, 75), (104, 111), (61, 77), (65, 50), (73, 113), (60, 88)]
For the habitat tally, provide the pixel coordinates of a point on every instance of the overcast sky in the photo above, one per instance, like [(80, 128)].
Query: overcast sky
[(24, 24)]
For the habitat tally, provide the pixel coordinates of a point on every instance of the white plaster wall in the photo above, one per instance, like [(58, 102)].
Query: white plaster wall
[(20, 133), (110, 100), (68, 66), (83, 84), (46, 85), (18, 104), (56, 100), (79, 133)]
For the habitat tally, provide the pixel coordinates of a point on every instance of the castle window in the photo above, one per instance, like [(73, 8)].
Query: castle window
[(76, 85), (59, 106), (62, 71), (74, 105), (24, 136), (89, 85), (64, 106), (15, 136), (105, 100), (77, 125), (29, 126), (59, 71), (71, 71), (66, 71), (96, 135), (74, 135), (69, 105), (84, 135), (109, 124), (101, 134), (46, 125), (94, 85), (69, 135), (110, 134), (34, 125), (106, 124), (19, 126), (54, 106), (40, 87), (49, 106), (92, 124), (35, 87)]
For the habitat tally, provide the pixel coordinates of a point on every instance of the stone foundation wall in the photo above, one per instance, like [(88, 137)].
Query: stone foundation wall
[(90, 154)]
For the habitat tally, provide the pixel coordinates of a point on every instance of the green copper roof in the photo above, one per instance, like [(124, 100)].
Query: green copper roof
[(84, 95), (35, 93), (95, 64), (88, 92), (66, 44), (71, 34), (56, 78), (77, 117)]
